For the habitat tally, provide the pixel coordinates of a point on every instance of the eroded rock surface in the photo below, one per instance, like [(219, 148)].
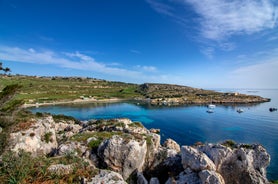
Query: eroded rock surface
[(129, 149)]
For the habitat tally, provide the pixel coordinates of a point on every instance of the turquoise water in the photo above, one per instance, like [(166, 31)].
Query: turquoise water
[(190, 124)]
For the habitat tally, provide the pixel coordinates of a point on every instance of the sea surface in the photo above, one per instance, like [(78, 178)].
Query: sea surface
[(191, 123)]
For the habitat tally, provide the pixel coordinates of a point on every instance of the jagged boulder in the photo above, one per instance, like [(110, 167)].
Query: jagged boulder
[(39, 138), (187, 176), (246, 165), (216, 152), (171, 144), (66, 129), (72, 147), (195, 160), (212, 177), (107, 177), (123, 156)]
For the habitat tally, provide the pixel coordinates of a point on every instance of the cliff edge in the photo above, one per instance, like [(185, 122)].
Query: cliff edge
[(121, 151)]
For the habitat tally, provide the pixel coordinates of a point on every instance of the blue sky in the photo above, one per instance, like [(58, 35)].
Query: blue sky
[(206, 44)]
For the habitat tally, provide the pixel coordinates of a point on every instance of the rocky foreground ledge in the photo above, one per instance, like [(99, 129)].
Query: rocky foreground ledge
[(121, 151)]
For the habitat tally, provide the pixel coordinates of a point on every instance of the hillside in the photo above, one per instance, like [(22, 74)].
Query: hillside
[(45, 90)]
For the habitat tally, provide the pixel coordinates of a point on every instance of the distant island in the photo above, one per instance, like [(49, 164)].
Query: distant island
[(37, 91)]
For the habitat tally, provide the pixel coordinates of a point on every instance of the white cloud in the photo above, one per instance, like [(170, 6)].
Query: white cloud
[(220, 19), (74, 60), (146, 68)]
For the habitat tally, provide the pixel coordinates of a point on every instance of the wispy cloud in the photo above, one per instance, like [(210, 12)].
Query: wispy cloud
[(220, 19), (79, 61), (167, 8), (208, 52), (75, 60), (161, 7), (146, 68)]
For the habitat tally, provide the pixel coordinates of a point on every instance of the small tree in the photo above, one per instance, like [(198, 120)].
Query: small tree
[(6, 70)]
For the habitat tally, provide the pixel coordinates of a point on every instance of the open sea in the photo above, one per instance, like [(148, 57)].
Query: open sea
[(191, 123)]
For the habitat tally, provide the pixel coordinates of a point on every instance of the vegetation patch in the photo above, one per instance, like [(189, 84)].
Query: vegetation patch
[(229, 143), (61, 117), (136, 124), (247, 146), (93, 144), (47, 137), (23, 168)]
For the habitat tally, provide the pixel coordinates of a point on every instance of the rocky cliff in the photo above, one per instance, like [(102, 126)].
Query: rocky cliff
[(121, 151)]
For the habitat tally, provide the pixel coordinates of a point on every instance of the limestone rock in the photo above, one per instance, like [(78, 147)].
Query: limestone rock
[(171, 144), (186, 176), (66, 129), (60, 169), (210, 177), (107, 177), (155, 130), (216, 152), (123, 156), (246, 165), (195, 159), (39, 139), (155, 155), (71, 148)]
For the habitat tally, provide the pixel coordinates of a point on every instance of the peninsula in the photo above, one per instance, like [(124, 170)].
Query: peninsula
[(36, 91)]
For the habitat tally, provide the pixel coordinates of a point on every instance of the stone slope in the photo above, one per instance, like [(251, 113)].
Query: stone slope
[(133, 154)]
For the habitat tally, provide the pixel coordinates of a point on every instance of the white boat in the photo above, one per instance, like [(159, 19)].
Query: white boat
[(240, 110), (211, 106), (210, 111)]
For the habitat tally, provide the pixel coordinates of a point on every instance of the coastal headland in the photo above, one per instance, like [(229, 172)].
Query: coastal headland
[(37, 91)]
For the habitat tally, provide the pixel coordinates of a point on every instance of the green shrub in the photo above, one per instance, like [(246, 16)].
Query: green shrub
[(136, 124), (47, 137), (12, 105), (247, 146), (229, 143), (15, 168), (60, 117), (23, 168), (93, 144)]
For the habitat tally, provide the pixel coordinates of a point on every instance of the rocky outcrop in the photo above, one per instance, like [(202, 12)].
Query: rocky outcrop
[(171, 144), (107, 177), (195, 160), (134, 154), (221, 164), (123, 156), (39, 138)]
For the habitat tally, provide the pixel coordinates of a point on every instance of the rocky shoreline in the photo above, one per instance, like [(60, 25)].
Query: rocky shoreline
[(121, 151)]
